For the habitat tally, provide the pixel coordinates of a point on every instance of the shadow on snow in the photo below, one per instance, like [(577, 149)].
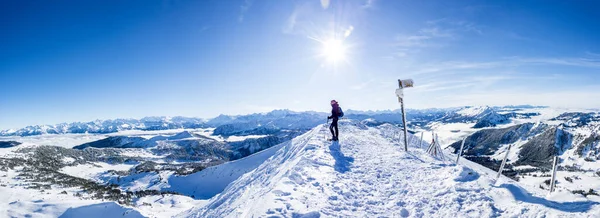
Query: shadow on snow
[(524, 196), (342, 163)]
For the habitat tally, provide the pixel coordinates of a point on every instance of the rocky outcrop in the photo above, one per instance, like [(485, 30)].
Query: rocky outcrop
[(540, 150)]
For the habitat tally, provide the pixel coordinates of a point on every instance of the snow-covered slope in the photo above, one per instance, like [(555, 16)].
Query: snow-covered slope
[(367, 174), (213, 180), (108, 209)]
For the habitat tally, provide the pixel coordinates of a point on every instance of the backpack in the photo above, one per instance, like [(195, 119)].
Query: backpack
[(341, 112)]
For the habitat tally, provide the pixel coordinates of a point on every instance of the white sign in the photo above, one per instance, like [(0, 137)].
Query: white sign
[(400, 93), (407, 83)]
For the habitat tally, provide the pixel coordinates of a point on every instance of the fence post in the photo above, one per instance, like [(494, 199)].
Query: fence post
[(421, 142), (503, 163), (432, 142), (461, 150), (554, 166)]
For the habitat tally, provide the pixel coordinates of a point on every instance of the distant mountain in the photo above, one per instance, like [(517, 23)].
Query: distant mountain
[(135, 142), (267, 123), (113, 142), (277, 120), (109, 126)]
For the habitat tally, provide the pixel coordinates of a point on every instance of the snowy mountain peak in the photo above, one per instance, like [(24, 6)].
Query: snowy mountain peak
[(279, 112), (475, 111)]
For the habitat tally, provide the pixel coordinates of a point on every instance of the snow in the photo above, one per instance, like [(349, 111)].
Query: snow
[(166, 206), (473, 111), (9, 152), (91, 171), (208, 132), (18, 201), (70, 140), (513, 154), (213, 180), (102, 210), (524, 167), (138, 181), (369, 175), (62, 140), (129, 152), (242, 138), (149, 134)]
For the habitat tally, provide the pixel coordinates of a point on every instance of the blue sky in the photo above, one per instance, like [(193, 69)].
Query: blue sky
[(64, 61)]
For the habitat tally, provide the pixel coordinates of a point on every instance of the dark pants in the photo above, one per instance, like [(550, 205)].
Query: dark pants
[(334, 125)]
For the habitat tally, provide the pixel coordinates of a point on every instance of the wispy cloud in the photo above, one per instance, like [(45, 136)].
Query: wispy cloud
[(576, 62), (517, 36), (368, 4), (204, 28), (592, 54), (478, 82), (451, 66), (244, 9), (424, 38), (456, 65), (506, 81), (456, 25), (435, 33), (301, 20), (289, 26), (362, 85)]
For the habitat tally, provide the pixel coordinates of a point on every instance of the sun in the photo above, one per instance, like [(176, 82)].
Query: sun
[(334, 50)]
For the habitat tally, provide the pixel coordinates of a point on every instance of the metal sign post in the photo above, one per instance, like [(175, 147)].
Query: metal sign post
[(400, 93)]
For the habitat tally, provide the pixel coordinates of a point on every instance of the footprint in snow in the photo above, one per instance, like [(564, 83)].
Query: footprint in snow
[(314, 214), (281, 193), (404, 213)]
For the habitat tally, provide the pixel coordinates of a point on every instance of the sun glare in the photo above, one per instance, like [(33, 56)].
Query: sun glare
[(334, 50)]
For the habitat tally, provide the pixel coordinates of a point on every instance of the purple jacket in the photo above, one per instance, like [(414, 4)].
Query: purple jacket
[(335, 111)]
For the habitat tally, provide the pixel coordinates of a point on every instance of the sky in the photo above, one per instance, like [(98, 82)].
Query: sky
[(66, 61)]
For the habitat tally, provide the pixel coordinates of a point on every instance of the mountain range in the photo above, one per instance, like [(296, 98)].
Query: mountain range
[(276, 120)]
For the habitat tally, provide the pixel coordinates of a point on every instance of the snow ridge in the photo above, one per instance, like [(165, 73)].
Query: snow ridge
[(366, 174)]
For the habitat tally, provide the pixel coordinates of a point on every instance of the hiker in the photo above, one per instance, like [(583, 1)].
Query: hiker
[(336, 113)]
